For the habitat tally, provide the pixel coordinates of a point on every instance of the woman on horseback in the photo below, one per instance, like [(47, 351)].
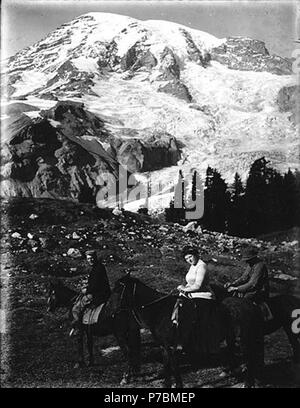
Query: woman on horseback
[(197, 286), (198, 300)]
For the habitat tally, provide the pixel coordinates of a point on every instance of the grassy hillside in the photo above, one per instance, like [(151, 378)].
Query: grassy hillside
[(36, 236)]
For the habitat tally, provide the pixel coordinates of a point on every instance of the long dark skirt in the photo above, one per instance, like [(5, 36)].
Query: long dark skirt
[(200, 326)]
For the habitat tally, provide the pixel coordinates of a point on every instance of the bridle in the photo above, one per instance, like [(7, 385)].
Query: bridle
[(133, 308)]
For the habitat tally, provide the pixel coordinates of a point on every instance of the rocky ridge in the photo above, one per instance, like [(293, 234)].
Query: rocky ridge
[(60, 154)]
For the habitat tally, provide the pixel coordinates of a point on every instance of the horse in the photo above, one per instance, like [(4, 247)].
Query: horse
[(153, 310), (121, 324), (281, 307)]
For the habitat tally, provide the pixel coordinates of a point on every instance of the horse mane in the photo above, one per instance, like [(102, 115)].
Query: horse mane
[(149, 294), (153, 291), (63, 290)]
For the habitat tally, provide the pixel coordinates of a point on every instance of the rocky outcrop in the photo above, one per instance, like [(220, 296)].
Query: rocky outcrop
[(45, 155), (60, 154), (288, 100), (176, 88), (169, 67), (200, 57), (138, 57), (153, 152), (247, 54), (169, 73)]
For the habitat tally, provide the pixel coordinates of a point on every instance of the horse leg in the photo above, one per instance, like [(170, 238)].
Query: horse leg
[(232, 359), (90, 345), (134, 350), (167, 370), (123, 343), (80, 362), (175, 368), (253, 353)]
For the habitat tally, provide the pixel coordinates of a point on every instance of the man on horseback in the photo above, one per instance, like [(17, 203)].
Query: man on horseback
[(254, 282), (94, 294)]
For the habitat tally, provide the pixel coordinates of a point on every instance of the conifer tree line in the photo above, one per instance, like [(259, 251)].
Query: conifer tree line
[(266, 202)]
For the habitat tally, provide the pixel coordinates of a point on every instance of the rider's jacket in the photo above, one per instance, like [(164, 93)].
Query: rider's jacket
[(98, 284), (254, 283)]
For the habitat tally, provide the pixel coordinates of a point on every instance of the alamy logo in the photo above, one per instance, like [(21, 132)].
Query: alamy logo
[(296, 321), (118, 190)]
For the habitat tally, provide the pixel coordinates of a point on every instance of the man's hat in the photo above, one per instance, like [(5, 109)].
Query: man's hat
[(249, 253), (91, 252)]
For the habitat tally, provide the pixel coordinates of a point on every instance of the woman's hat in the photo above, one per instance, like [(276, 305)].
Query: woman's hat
[(249, 253)]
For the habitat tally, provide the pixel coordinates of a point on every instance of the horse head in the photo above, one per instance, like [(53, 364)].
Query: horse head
[(123, 293), (59, 295)]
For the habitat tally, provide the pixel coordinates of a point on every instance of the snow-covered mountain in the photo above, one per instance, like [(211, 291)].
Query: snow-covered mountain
[(152, 84)]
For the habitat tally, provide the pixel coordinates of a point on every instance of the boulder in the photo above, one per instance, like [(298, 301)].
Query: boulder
[(74, 253), (16, 235), (191, 226), (247, 54)]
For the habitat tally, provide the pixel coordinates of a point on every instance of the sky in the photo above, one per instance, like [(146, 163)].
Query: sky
[(25, 22)]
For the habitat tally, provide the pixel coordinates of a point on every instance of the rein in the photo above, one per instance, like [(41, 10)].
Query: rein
[(132, 309), (157, 300)]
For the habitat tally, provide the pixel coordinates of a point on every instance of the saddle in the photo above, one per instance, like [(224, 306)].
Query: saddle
[(91, 315)]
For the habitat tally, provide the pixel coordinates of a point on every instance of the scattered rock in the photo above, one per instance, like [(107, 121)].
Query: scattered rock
[(191, 226), (284, 277), (47, 243), (16, 235), (33, 243), (74, 253)]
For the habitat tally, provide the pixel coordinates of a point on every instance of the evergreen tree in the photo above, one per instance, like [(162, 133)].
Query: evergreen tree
[(274, 204), (216, 201), (237, 187), (255, 198), (236, 211), (291, 201)]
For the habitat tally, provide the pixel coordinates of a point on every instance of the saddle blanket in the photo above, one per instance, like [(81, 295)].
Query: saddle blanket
[(90, 316)]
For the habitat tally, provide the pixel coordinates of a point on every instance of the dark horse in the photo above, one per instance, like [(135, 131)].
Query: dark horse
[(281, 307), (121, 324), (153, 310)]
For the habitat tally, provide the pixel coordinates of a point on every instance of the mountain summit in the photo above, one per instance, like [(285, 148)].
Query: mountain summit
[(155, 86)]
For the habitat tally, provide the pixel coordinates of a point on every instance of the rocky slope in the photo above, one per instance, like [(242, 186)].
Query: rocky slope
[(42, 239), (165, 97), (63, 151)]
